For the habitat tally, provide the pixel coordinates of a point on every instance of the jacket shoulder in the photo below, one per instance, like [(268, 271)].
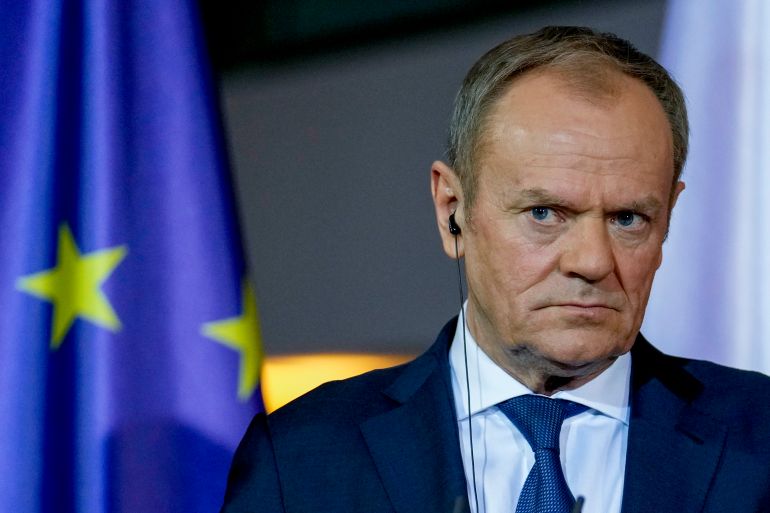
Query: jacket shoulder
[(738, 399), (346, 400), (350, 401)]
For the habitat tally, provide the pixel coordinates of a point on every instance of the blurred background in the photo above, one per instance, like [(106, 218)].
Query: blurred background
[(211, 207), (334, 112)]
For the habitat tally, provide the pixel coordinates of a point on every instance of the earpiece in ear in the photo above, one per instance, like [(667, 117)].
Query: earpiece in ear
[(454, 229)]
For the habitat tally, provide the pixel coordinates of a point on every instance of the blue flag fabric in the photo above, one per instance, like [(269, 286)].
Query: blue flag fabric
[(129, 351), (711, 298)]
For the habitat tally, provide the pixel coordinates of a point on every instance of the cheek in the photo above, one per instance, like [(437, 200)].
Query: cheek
[(511, 266), (636, 273)]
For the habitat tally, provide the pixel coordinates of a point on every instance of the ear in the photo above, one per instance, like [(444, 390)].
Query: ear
[(678, 188), (675, 192), (447, 199)]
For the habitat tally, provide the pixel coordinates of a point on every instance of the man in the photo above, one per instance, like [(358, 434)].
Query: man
[(566, 149)]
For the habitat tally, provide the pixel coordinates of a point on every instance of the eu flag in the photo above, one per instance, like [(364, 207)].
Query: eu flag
[(129, 352)]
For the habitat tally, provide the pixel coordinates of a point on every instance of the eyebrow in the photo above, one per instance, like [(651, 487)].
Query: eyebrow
[(648, 204), (537, 195), (540, 195)]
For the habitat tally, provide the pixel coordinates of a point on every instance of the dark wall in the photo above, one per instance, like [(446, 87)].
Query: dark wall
[(332, 159)]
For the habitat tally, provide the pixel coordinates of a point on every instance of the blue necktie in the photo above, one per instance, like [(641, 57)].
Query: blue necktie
[(539, 419)]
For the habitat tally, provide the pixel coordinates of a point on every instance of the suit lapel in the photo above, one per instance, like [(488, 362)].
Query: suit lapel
[(673, 449), (415, 446)]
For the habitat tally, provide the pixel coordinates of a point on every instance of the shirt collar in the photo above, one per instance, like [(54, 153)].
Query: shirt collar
[(607, 393)]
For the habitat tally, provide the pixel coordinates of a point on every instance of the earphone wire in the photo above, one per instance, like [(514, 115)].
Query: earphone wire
[(467, 377)]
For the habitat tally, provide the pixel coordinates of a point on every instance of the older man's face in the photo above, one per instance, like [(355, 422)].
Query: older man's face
[(566, 230)]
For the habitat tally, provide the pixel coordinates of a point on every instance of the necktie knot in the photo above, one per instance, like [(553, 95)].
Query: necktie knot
[(539, 418)]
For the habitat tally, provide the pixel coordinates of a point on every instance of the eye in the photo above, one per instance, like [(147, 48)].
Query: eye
[(629, 219), (626, 218), (541, 213)]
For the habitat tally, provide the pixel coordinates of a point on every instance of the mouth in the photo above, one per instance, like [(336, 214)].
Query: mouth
[(578, 304), (584, 305), (589, 310)]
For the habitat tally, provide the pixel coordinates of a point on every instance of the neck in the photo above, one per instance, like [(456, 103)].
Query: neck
[(534, 370), (541, 375)]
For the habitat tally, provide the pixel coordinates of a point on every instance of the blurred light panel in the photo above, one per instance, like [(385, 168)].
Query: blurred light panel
[(711, 298), (287, 377)]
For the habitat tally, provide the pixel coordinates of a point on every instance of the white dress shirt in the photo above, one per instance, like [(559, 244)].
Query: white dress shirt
[(593, 444)]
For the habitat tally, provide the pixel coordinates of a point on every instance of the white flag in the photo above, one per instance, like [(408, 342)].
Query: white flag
[(711, 297)]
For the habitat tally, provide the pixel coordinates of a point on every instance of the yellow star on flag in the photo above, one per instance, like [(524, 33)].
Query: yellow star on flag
[(241, 334), (73, 286)]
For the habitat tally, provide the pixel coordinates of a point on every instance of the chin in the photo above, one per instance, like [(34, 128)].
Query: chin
[(582, 351)]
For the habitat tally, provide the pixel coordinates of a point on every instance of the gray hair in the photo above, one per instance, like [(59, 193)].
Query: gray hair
[(584, 57)]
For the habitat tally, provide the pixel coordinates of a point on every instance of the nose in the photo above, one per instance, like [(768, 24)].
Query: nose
[(587, 252)]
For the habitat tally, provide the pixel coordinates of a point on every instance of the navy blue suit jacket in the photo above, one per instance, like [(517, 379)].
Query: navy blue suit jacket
[(387, 441)]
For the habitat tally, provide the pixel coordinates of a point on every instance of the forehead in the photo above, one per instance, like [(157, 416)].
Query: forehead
[(543, 124)]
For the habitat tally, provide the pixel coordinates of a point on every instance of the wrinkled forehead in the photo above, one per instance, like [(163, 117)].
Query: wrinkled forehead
[(543, 121), (592, 77), (557, 97)]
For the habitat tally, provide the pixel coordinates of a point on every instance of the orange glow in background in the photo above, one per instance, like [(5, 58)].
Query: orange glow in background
[(287, 377)]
